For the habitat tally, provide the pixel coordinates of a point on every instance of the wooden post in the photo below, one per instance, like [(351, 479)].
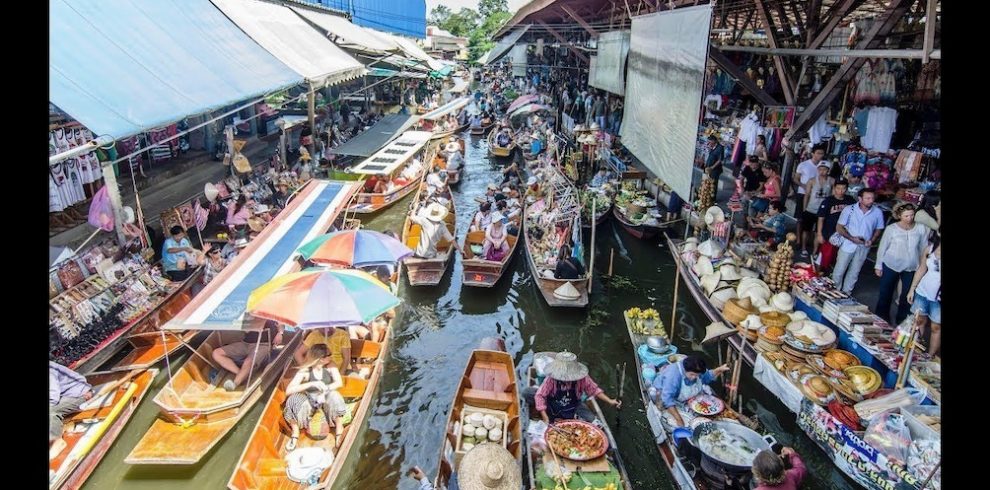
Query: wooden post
[(611, 257), (311, 116), (677, 283), (591, 265)]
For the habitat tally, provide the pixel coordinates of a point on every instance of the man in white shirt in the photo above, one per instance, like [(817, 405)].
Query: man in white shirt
[(432, 230), (434, 182), (860, 226), (412, 170), (806, 171)]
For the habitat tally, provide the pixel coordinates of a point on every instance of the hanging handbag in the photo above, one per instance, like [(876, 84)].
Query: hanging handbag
[(70, 274)]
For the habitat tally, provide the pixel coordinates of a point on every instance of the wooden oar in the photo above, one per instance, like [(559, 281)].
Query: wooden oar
[(560, 468)]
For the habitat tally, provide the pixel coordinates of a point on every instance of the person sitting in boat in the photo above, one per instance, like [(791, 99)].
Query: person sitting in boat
[(567, 384), (435, 182), (770, 473), (412, 170), (533, 189), (496, 239), (677, 383), (67, 390), (337, 342), (504, 138), (489, 196), (246, 356), (476, 121), (600, 178), (510, 176), (314, 387), (176, 254), (432, 230), (482, 218), (373, 185), (568, 266), (454, 160)]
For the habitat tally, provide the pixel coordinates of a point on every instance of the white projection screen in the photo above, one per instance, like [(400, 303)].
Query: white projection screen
[(518, 56), (666, 77), (609, 70)]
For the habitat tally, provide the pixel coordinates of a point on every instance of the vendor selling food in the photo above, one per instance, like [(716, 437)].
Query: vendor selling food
[(566, 386), (677, 383)]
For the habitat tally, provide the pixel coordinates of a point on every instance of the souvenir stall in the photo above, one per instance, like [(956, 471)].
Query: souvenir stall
[(99, 296)]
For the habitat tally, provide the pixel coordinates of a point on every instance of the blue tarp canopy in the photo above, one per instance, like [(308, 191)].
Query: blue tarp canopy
[(121, 67)]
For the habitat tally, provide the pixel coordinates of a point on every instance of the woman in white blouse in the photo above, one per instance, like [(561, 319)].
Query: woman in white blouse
[(901, 248)]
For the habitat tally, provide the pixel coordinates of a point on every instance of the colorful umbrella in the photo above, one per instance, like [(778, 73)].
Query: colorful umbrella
[(355, 248), (526, 109), (321, 298), (520, 101)]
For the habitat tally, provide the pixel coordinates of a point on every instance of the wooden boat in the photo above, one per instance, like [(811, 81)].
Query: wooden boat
[(262, 463), (195, 413), (547, 286), (388, 163), (428, 272), (601, 213), (443, 135), (428, 122), (641, 231), (678, 465), (480, 272), (135, 332), (481, 130), (693, 285), (100, 426), (488, 385), (499, 151), (611, 456)]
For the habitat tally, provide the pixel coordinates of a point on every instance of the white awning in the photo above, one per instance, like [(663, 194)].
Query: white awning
[(347, 34), (388, 159), (413, 50), (287, 36), (503, 46), (459, 85), (445, 109)]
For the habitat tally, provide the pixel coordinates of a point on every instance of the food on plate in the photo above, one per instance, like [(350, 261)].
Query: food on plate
[(706, 405), (576, 440)]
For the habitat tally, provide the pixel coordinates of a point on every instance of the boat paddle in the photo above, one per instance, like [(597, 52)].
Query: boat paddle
[(622, 382)]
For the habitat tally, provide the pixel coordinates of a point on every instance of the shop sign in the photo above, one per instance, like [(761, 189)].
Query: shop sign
[(851, 453)]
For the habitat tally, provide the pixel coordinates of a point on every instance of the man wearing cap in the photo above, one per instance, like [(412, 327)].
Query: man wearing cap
[(856, 184), (566, 386), (806, 171), (860, 226), (432, 230)]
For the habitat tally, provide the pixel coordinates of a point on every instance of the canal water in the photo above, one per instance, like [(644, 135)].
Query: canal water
[(433, 337)]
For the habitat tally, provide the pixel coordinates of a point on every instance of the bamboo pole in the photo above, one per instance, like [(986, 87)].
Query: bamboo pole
[(677, 284), (611, 258), (591, 268)]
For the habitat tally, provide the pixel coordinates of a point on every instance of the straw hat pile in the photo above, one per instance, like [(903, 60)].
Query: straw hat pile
[(755, 289), (775, 319), (769, 339), (817, 388), (750, 327), (737, 309), (711, 248)]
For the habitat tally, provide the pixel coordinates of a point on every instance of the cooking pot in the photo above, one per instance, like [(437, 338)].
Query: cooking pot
[(753, 439)]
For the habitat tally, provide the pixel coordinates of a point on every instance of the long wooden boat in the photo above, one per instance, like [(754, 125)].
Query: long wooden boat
[(262, 463), (90, 433), (611, 456), (147, 322), (428, 122), (679, 466), (481, 130), (489, 386), (546, 285), (499, 151), (478, 271), (693, 285), (601, 213), (388, 163), (195, 413), (641, 231), (428, 272), (443, 135)]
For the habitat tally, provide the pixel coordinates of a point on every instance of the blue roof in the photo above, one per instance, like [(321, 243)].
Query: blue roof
[(121, 67), (405, 17)]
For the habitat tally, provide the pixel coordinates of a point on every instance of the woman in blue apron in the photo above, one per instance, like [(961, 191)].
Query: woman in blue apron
[(562, 394), (677, 383)]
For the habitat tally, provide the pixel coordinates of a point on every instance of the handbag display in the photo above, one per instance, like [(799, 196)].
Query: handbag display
[(70, 274)]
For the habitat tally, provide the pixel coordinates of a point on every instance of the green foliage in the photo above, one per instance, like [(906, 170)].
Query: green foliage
[(480, 40), (492, 7), (439, 15)]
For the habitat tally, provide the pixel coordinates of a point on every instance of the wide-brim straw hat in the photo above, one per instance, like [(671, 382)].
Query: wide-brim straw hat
[(729, 272), (489, 466), (782, 301), (737, 309), (721, 295), (256, 224), (744, 272), (452, 147), (703, 266), (752, 322), (716, 330), (710, 281), (775, 319), (714, 215), (211, 192), (797, 315), (566, 292), (710, 248), (565, 367), (435, 212)]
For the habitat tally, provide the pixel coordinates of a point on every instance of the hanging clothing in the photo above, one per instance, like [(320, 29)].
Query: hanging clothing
[(881, 123), (749, 129), (819, 130)]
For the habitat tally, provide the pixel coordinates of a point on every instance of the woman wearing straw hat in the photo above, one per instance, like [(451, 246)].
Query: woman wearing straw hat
[(315, 387), (566, 386)]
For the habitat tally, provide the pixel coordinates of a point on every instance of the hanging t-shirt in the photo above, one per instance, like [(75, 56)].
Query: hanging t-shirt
[(880, 128), (74, 179), (54, 198)]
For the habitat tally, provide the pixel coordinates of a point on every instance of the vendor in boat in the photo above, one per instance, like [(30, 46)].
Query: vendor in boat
[(454, 158), (432, 230), (770, 471), (510, 176), (412, 170), (435, 181), (476, 121), (374, 185), (482, 218), (504, 138), (566, 386), (677, 383), (773, 225), (496, 239), (533, 189), (568, 266), (314, 387), (489, 196), (178, 255), (600, 178), (337, 342), (281, 196), (67, 390), (246, 356)]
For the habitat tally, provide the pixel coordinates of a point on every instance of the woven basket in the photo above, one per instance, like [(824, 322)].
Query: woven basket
[(775, 319), (736, 310)]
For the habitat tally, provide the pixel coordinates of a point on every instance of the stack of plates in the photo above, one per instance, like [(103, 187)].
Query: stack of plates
[(771, 342), (792, 354)]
